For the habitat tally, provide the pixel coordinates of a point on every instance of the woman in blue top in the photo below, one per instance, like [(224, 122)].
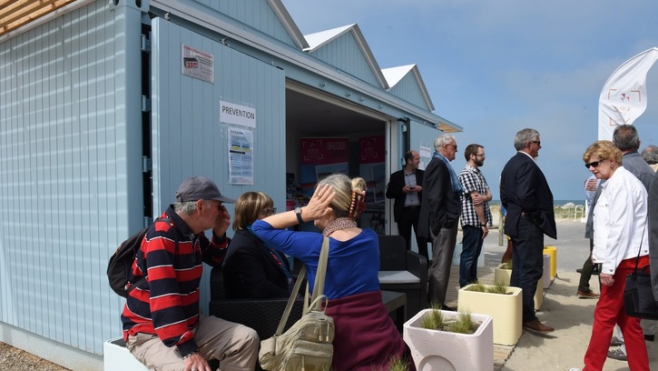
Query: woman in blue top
[(365, 338)]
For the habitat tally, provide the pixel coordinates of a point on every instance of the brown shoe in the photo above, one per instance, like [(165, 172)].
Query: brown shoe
[(537, 326), (587, 295)]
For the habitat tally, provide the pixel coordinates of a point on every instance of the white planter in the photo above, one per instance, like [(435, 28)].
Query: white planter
[(506, 311), (505, 276), (447, 351)]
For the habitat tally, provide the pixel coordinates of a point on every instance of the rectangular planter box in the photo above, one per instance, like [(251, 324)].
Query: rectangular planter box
[(505, 275), (552, 251), (546, 278), (448, 351), (505, 310)]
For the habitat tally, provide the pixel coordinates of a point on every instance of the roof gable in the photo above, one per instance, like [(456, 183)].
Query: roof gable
[(406, 82), (346, 49)]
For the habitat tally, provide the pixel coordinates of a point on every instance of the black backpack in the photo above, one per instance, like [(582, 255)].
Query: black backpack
[(121, 262)]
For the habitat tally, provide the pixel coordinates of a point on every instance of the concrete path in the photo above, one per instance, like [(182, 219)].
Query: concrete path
[(572, 317)]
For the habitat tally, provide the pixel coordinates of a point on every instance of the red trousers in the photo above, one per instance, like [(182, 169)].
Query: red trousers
[(610, 311)]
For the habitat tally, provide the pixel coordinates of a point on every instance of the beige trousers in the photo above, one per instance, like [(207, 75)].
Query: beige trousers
[(234, 345)]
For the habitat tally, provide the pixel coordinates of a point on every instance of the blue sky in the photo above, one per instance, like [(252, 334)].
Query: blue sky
[(495, 67)]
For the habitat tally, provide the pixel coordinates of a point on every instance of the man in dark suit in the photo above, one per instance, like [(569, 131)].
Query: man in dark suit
[(439, 214), (525, 194), (405, 187)]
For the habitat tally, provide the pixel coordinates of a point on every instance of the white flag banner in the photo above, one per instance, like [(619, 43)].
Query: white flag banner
[(624, 95)]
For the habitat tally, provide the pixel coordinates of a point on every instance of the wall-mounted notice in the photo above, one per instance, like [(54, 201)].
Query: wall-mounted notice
[(240, 156), (236, 114), (198, 64)]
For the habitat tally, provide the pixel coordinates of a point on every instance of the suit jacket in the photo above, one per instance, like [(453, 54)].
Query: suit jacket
[(394, 190), (633, 162), (442, 205), (251, 271), (523, 189), (653, 233)]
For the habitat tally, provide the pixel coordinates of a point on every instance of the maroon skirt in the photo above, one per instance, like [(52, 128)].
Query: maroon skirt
[(366, 338)]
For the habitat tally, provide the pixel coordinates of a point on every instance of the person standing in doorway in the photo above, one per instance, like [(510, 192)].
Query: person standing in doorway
[(406, 186), (525, 193), (439, 215), (476, 214)]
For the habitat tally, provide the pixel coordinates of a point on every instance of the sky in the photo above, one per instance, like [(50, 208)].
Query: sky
[(496, 67)]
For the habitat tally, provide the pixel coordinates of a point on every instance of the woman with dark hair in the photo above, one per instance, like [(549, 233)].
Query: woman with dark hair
[(251, 268), (365, 336), (620, 243)]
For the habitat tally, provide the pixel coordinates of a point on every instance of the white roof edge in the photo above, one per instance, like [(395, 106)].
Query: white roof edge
[(319, 39), (288, 23), (267, 46), (395, 74)]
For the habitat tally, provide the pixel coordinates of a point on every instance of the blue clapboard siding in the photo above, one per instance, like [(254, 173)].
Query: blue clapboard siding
[(188, 138), (409, 90), (344, 54), (68, 189), (253, 13)]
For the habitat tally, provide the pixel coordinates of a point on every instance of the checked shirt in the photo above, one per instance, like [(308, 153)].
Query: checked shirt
[(472, 180)]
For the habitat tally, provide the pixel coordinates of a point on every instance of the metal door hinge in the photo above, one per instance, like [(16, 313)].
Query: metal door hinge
[(146, 164), (146, 44), (146, 104)]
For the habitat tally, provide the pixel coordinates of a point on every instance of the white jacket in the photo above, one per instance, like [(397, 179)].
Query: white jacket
[(620, 221)]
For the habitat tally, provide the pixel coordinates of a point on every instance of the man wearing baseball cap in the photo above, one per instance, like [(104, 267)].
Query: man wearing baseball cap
[(162, 324)]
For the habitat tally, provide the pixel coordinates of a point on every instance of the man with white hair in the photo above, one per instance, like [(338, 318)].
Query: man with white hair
[(439, 215)]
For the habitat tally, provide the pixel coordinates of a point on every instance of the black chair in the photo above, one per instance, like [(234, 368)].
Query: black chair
[(262, 315), (403, 271)]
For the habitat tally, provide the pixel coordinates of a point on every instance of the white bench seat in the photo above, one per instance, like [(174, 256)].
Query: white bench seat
[(397, 277)]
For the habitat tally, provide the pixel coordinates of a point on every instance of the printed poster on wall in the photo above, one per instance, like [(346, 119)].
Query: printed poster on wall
[(321, 157), (372, 166), (198, 64), (240, 156)]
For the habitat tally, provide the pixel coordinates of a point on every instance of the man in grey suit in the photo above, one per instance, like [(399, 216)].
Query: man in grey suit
[(439, 214), (653, 234), (528, 200), (625, 138)]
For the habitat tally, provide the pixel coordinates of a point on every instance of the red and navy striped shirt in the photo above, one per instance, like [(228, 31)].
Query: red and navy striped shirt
[(166, 303)]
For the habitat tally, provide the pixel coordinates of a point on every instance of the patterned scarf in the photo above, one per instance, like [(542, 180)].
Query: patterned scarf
[(456, 186)]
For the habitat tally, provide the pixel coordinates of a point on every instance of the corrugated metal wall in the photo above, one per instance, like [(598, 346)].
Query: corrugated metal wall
[(65, 173), (188, 138)]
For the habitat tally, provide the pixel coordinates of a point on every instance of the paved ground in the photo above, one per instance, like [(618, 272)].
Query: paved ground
[(562, 309)]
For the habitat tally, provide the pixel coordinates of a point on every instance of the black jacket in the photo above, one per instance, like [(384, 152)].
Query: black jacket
[(442, 205), (251, 270), (394, 190)]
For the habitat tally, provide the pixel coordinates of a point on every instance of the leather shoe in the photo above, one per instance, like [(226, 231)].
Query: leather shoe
[(587, 295), (615, 342), (651, 337), (617, 354), (537, 326), (451, 309)]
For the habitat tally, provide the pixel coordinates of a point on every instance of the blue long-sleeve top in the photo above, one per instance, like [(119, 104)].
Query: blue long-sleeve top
[(352, 267)]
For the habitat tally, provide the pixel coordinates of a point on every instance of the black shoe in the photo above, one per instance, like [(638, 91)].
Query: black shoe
[(451, 309), (579, 270), (649, 337)]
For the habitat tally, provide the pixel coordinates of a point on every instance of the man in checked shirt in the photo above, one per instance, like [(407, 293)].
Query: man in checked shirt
[(476, 214)]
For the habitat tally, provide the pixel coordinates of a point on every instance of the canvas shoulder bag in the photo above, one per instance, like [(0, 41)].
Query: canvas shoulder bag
[(308, 343)]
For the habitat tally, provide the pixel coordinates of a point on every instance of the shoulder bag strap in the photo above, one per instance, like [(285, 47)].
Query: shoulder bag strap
[(291, 301), (318, 287)]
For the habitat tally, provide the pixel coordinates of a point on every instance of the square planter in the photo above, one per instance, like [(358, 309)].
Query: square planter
[(552, 251), (505, 276), (506, 311), (448, 351), (546, 278)]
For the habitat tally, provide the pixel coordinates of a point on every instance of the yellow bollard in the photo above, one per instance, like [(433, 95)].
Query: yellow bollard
[(552, 251)]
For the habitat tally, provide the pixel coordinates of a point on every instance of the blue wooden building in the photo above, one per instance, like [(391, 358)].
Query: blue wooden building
[(106, 106)]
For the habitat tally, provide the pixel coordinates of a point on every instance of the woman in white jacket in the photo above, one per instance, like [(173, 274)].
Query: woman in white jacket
[(620, 235)]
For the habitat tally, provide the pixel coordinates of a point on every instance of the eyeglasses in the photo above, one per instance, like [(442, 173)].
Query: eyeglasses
[(269, 211), (593, 164), (537, 141), (479, 154)]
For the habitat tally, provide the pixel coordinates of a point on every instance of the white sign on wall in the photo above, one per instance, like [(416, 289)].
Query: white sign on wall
[(236, 114), (198, 64)]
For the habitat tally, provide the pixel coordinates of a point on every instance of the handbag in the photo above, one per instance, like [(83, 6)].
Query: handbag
[(308, 343), (638, 296)]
